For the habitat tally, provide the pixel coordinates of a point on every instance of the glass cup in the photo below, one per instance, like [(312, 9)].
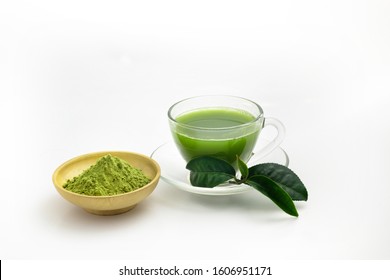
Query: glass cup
[(221, 126)]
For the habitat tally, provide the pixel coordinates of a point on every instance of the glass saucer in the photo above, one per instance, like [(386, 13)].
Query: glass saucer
[(174, 172)]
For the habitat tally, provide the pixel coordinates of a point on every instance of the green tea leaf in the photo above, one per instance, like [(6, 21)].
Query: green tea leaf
[(207, 163), (209, 172), (275, 192), (275, 181), (208, 179), (243, 169), (282, 175)]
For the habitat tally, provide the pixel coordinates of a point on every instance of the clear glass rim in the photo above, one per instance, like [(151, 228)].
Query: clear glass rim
[(254, 121)]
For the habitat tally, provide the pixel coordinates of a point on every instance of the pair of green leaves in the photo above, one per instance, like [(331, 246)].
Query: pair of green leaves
[(275, 181)]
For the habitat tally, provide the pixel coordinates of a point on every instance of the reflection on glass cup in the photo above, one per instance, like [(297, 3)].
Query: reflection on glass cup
[(221, 126)]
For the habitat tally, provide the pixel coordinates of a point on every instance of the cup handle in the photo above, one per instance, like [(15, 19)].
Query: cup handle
[(281, 131)]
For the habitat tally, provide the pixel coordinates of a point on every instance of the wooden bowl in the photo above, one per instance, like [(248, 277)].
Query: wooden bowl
[(106, 205)]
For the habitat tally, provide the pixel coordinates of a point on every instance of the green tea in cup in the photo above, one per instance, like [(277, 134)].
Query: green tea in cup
[(219, 126)]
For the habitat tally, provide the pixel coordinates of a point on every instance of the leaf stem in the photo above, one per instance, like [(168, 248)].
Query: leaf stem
[(239, 181)]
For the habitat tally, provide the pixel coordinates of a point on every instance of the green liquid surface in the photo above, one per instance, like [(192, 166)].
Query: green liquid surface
[(220, 134)]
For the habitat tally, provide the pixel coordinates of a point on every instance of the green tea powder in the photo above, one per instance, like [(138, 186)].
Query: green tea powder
[(110, 175)]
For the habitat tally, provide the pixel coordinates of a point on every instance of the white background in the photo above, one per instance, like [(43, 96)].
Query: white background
[(86, 76)]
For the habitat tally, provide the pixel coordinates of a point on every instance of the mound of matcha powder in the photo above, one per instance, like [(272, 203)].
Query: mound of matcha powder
[(110, 175)]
